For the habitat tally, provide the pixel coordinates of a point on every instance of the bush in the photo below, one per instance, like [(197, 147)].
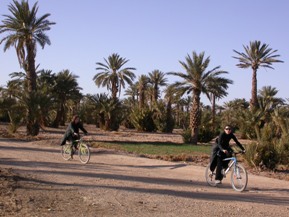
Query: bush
[(267, 156), (142, 119), (205, 135), (187, 136), (251, 154)]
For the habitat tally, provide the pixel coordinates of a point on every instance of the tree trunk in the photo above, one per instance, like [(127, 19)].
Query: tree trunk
[(141, 98), (114, 88), (254, 100), (32, 125), (213, 112), (195, 117)]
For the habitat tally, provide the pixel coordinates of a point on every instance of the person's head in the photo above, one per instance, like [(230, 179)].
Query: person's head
[(228, 129), (75, 119)]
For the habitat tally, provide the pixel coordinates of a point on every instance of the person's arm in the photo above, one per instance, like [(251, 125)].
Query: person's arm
[(82, 128), (237, 142), (219, 144), (71, 129)]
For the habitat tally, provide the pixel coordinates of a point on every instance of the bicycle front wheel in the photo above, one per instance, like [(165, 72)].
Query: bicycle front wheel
[(239, 178), (210, 176), (83, 153), (66, 151)]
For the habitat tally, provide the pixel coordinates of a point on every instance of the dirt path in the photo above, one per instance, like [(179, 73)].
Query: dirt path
[(114, 184)]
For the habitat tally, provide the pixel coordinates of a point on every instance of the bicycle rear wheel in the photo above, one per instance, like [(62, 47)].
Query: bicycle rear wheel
[(239, 178), (83, 153), (210, 176), (66, 151)]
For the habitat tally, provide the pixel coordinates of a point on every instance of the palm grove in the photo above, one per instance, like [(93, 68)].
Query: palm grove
[(41, 98)]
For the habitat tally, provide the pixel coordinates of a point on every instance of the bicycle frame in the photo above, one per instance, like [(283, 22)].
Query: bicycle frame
[(234, 162)]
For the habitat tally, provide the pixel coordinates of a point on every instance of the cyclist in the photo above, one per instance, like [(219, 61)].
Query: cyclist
[(72, 130), (220, 150)]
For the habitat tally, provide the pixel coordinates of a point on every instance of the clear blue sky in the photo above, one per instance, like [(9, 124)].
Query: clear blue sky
[(157, 34)]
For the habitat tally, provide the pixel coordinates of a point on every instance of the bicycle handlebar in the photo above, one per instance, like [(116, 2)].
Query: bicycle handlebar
[(239, 152)]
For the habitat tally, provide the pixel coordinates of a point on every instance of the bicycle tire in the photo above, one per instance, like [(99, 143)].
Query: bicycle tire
[(66, 151), (83, 153), (210, 176), (239, 178)]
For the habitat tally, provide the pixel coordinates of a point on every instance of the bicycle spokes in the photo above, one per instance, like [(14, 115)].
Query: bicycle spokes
[(83, 153), (66, 151), (239, 178)]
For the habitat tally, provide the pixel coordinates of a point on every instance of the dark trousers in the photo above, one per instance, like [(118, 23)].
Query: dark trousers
[(217, 162), (221, 164)]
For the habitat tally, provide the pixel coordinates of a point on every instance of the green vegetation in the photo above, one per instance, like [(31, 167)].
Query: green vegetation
[(157, 149)]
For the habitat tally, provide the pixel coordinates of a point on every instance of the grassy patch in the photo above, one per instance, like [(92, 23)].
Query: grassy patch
[(166, 151)]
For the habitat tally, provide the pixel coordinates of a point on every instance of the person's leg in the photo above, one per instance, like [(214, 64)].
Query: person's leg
[(226, 163), (213, 164), (219, 175), (63, 141), (213, 159)]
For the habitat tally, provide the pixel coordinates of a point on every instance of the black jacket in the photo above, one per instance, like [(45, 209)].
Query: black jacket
[(223, 141), (70, 130)]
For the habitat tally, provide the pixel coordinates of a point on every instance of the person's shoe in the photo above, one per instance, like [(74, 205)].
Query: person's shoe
[(218, 182)]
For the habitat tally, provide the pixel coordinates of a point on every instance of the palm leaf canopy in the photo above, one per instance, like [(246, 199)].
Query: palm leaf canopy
[(23, 26), (111, 73), (257, 55), (196, 77)]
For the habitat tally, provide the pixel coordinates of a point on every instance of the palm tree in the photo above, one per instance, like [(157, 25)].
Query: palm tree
[(46, 80), (65, 89), (195, 81), (157, 79), (112, 75), (132, 93), (216, 89), (142, 85), (267, 97), (25, 30), (256, 55)]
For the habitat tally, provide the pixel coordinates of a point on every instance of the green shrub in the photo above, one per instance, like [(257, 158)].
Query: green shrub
[(251, 151), (267, 156), (205, 135), (187, 138), (142, 119)]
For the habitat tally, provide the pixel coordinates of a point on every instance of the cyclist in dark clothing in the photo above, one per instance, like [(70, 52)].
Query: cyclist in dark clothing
[(222, 150), (72, 130)]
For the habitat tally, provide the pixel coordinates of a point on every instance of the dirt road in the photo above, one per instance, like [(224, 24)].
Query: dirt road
[(41, 183)]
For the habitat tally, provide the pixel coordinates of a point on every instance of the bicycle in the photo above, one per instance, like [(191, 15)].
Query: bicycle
[(239, 175), (70, 148)]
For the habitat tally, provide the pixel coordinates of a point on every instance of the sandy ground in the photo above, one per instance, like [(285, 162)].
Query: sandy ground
[(36, 181)]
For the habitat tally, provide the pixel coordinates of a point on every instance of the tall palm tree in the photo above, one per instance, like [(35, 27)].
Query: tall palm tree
[(217, 89), (157, 79), (142, 85), (256, 55), (195, 81), (132, 93), (112, 75), (25, 30), (46, 80), (65, 89)]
